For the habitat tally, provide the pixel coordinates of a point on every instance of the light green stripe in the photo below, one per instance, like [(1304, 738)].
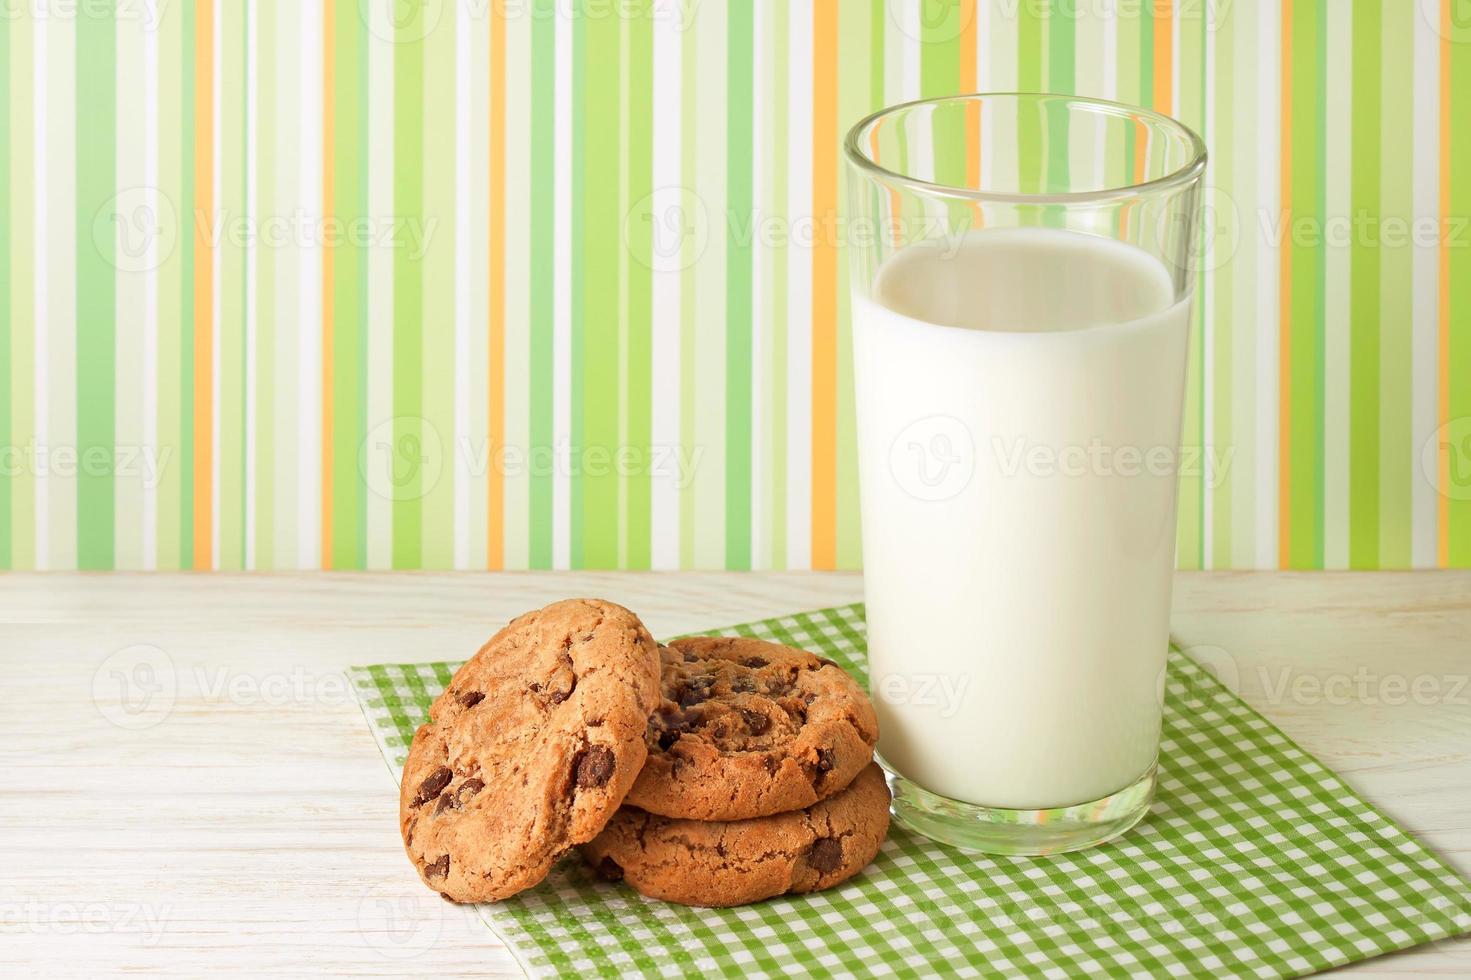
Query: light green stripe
[(777, 42), (939, 58), (96, 132), (1363, 489), (230, 451), (437, 273), (738, 255), (543, 78), (600, 230), (1459, 369), (1189, 103), (1221, 267), (9, 451), (577, 298), (349, 204), (1029, 57), (267, 202), (638, 290), (1398, 457), (408, 293), (20, 364)]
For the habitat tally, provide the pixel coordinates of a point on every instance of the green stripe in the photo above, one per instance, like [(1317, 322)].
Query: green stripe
[(1459, 251), (543, 79), (1189, 103), (1030, 43), (939, 52), (1398, 456), (1305, 466), (437, 273), (9, 461), (349, 205), (688, 264), (738, 164), (408, 287), (96, 62), (1363, 468), (185, 204), (598, 241), (638, 291)]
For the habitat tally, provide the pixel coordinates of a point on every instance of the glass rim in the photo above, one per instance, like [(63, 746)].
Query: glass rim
[(1180, 176)]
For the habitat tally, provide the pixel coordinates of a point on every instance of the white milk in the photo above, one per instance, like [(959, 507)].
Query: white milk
[(1018, 502)]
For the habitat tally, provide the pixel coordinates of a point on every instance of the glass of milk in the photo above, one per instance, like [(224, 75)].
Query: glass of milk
[(1022, 269)]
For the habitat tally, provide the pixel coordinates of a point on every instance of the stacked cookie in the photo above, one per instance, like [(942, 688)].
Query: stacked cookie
[(713, 771)]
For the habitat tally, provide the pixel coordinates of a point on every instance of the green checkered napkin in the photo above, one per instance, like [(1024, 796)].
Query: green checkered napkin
[(1255, 861)]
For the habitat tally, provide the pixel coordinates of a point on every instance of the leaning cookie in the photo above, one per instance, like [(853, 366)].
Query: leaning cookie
[(530, 749), (748, 728), (734, 862)]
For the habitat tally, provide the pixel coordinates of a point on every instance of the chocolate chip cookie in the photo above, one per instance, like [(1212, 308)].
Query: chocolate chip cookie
[(530, 749), (735, 862), (748, 728)]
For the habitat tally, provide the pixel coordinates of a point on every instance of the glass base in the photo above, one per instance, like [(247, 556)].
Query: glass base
[(996, 830)]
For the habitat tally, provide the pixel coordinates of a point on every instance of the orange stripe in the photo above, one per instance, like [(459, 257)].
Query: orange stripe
[(824, 284), (496, 328), (1164, 55), (204, 286), (1443, 547), (328, 135), (972, 109), (1284, 319)]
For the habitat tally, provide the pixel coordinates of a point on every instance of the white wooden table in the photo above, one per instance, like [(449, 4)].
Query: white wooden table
[(251, 826)]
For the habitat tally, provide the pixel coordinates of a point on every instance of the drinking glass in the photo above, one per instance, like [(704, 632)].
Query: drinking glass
[(1022, 268)]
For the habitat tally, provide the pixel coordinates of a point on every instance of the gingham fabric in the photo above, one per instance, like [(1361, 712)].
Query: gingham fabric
[(1255, 861)]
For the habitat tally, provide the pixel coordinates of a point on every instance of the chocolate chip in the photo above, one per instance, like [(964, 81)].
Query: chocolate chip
[(595, 766), (667, 738), (771, 764), (825, 761), (438, 869), (471, 698), (557, 697), (693, 691), (433, 783), (447, 801), (756, 722), (690, 658), (610, 869), (742, 685), (468, 789), (826, 854), (678, 766), (756, 662)]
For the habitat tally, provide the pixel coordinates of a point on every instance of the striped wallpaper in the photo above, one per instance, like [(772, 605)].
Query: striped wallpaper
[(561, 283)]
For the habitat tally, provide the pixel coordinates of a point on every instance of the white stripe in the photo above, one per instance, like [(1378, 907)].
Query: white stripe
[(216, 258), (130, 277), (799, 297), (1425, 353), (150, 288), (380, 288), (309, 365), (252, 259), (562, 290), (910, 49), (462, 290), (1110, 86), (42, 314), (665, 487), (1269, 254), (1337, 279)]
